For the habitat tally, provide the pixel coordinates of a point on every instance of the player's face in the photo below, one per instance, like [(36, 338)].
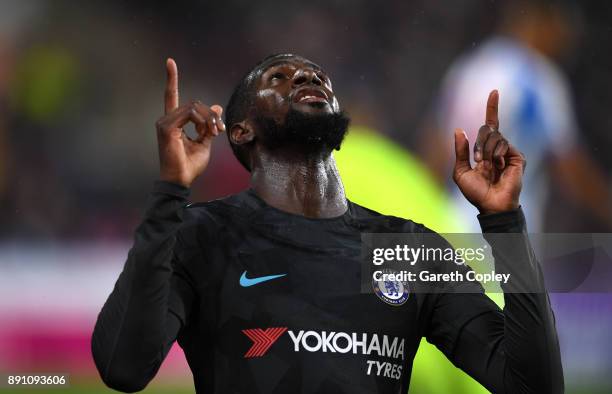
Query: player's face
[(294, 84)]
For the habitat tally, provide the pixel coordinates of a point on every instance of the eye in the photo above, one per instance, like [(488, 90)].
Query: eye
[(277, 75)]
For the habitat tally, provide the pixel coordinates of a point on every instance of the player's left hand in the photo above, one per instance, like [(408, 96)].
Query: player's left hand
[(494, 183)]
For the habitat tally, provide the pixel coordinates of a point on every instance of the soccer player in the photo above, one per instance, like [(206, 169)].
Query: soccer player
[(262, 289), (538, 114)]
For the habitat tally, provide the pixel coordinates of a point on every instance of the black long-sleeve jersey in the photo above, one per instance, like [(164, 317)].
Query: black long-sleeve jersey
[(264, 301)]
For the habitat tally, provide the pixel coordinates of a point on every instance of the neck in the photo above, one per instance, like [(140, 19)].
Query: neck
[(307, 185)]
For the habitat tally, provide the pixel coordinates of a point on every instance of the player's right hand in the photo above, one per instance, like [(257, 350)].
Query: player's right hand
[(183, 158)]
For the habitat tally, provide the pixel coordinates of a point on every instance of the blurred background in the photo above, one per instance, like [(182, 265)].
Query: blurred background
[(81, 86)]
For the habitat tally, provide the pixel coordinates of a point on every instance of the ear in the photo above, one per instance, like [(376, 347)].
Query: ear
[(241, 133)]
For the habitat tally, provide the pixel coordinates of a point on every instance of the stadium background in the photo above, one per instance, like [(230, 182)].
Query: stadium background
[(81, 87)]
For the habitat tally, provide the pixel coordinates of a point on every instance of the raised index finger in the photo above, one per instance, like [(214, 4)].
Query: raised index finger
[(491, 118), (171, 96)]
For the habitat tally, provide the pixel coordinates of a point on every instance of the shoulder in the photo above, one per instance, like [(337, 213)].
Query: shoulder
[(210, 218), (369, 220), (214, 209)]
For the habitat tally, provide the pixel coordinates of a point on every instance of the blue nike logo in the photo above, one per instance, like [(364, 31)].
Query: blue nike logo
[(246, 282)]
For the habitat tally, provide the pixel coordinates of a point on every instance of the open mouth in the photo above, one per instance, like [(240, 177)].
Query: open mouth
[(310, 95)]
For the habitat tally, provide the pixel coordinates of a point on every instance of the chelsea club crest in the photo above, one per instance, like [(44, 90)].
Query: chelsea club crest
[(392, 292)]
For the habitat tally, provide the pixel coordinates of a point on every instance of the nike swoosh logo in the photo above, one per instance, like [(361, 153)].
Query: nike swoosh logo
[(247, 282)]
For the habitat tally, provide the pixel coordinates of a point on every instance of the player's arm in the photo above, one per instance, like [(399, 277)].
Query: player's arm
[(515, 350), (152, 297)]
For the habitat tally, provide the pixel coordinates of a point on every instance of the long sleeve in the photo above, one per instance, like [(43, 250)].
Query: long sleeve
[(511, 351), (139, 322)]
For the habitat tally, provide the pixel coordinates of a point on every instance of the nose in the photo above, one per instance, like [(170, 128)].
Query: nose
[(305, 76)]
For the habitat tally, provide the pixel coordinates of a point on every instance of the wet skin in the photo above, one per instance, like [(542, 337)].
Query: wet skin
[(290, 180), (285, 82)]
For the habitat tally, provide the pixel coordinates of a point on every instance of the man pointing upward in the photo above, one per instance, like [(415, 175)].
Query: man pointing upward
[(192, 273)]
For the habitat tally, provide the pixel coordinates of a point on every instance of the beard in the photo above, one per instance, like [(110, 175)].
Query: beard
[(306, 133)]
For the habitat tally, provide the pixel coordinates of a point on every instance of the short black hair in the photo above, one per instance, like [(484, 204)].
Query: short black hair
[(241, 100)]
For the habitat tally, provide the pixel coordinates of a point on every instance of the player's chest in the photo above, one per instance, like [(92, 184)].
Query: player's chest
[(309, 288)]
